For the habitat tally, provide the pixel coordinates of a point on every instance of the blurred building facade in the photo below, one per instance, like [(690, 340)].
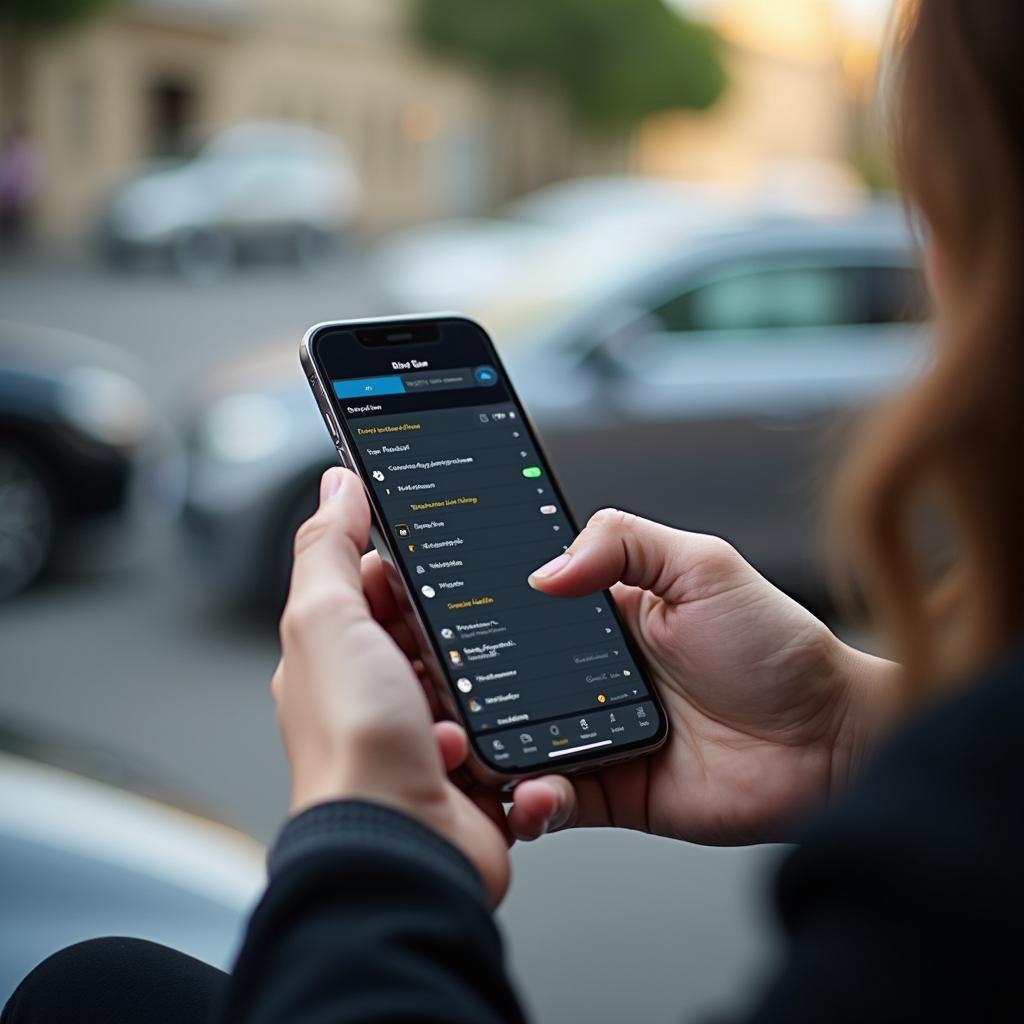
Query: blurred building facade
[(151, 78)]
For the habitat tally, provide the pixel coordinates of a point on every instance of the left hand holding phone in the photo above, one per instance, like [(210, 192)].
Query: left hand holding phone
[(354, 718)]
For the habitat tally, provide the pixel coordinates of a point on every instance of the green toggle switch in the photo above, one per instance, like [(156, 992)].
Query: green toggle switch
[(531, 471)]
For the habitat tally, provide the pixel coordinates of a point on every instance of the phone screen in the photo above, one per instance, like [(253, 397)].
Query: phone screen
[(471, 508)]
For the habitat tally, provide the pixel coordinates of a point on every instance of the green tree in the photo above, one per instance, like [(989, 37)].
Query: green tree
[(615, 61), (37, 17)]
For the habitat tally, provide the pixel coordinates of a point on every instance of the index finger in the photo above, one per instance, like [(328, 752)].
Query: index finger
[(619, 547)]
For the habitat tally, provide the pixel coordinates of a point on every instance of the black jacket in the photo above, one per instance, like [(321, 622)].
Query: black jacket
[(903, 903)]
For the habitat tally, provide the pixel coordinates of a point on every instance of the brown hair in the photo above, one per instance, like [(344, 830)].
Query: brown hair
[(954, 441)]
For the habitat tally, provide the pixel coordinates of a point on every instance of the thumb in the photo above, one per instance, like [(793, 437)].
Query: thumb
[(619, 547), (329, 546)]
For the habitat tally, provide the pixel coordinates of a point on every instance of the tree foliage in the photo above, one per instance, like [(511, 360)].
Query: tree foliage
[(616, 61), (39, 17)]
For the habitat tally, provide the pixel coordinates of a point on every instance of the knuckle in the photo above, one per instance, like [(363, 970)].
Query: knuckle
[(611, 520), (309, 533), (291, 628), (307, 612), (322, 527), (374, 731), (717, 557), (277, 683)]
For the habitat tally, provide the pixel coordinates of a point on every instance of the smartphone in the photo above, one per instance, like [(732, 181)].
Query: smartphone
[(465, 506)]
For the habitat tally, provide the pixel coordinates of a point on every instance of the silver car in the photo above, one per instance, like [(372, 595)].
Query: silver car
[(695, 384)]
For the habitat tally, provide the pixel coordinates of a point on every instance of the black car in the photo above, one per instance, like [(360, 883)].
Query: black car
[(76, 430)]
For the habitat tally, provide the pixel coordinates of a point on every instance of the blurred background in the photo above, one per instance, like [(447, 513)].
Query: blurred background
[(675, 220)]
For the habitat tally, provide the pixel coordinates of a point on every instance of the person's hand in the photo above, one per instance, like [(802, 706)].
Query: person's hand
[(353, 715), (768, 711)]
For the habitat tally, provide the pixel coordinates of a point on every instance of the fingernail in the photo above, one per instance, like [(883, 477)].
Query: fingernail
[(549, 569), (330, 483)]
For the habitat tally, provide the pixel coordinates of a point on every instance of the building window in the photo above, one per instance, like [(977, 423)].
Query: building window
[(172, 106)]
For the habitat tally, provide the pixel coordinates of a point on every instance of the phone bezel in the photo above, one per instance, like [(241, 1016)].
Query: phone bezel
[(323, 392)]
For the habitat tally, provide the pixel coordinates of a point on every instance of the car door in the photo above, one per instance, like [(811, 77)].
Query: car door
[(720, 403)]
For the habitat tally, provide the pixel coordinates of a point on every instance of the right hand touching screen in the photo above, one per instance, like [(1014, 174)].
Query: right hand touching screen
[(768, 710)]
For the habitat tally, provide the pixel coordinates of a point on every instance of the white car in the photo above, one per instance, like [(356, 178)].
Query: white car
[(465, 262), (253, 186), (81, 859)]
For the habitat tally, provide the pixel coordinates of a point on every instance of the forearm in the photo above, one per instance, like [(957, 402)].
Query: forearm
[(369, 917)]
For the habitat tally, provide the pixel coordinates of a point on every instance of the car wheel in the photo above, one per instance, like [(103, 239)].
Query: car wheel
[(202, 254), (27, 521)]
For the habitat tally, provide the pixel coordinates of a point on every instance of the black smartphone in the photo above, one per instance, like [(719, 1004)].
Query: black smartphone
[(465, 506)]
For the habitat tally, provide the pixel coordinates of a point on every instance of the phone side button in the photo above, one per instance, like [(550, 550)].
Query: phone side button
[(331, 428), (343, 456), (323, 394)]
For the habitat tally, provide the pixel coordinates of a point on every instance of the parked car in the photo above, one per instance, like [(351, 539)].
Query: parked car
[(696, 386), (81, 858), (463, 262), (255, 187), (712, 388), (78, 437)]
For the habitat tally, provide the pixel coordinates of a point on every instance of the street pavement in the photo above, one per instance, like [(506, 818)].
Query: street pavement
[(137, 661)]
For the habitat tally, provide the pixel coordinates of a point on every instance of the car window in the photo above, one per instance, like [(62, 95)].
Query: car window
[(795, 296)]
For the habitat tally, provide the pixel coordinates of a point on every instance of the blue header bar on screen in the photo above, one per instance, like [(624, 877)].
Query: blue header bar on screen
[(422, 380), (365, 386)]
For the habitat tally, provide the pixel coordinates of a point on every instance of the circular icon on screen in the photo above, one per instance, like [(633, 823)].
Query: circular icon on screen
[(485, 375), (447, 633), (428, 591), (464, 685)]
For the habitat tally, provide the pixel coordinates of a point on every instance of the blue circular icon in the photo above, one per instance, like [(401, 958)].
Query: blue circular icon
[(485, 375)]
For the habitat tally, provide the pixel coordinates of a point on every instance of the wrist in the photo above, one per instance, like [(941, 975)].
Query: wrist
[(867, 684), (366, 761), (337, 787)]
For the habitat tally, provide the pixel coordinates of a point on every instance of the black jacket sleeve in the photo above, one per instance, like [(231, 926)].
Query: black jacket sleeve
[(369, 917)]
